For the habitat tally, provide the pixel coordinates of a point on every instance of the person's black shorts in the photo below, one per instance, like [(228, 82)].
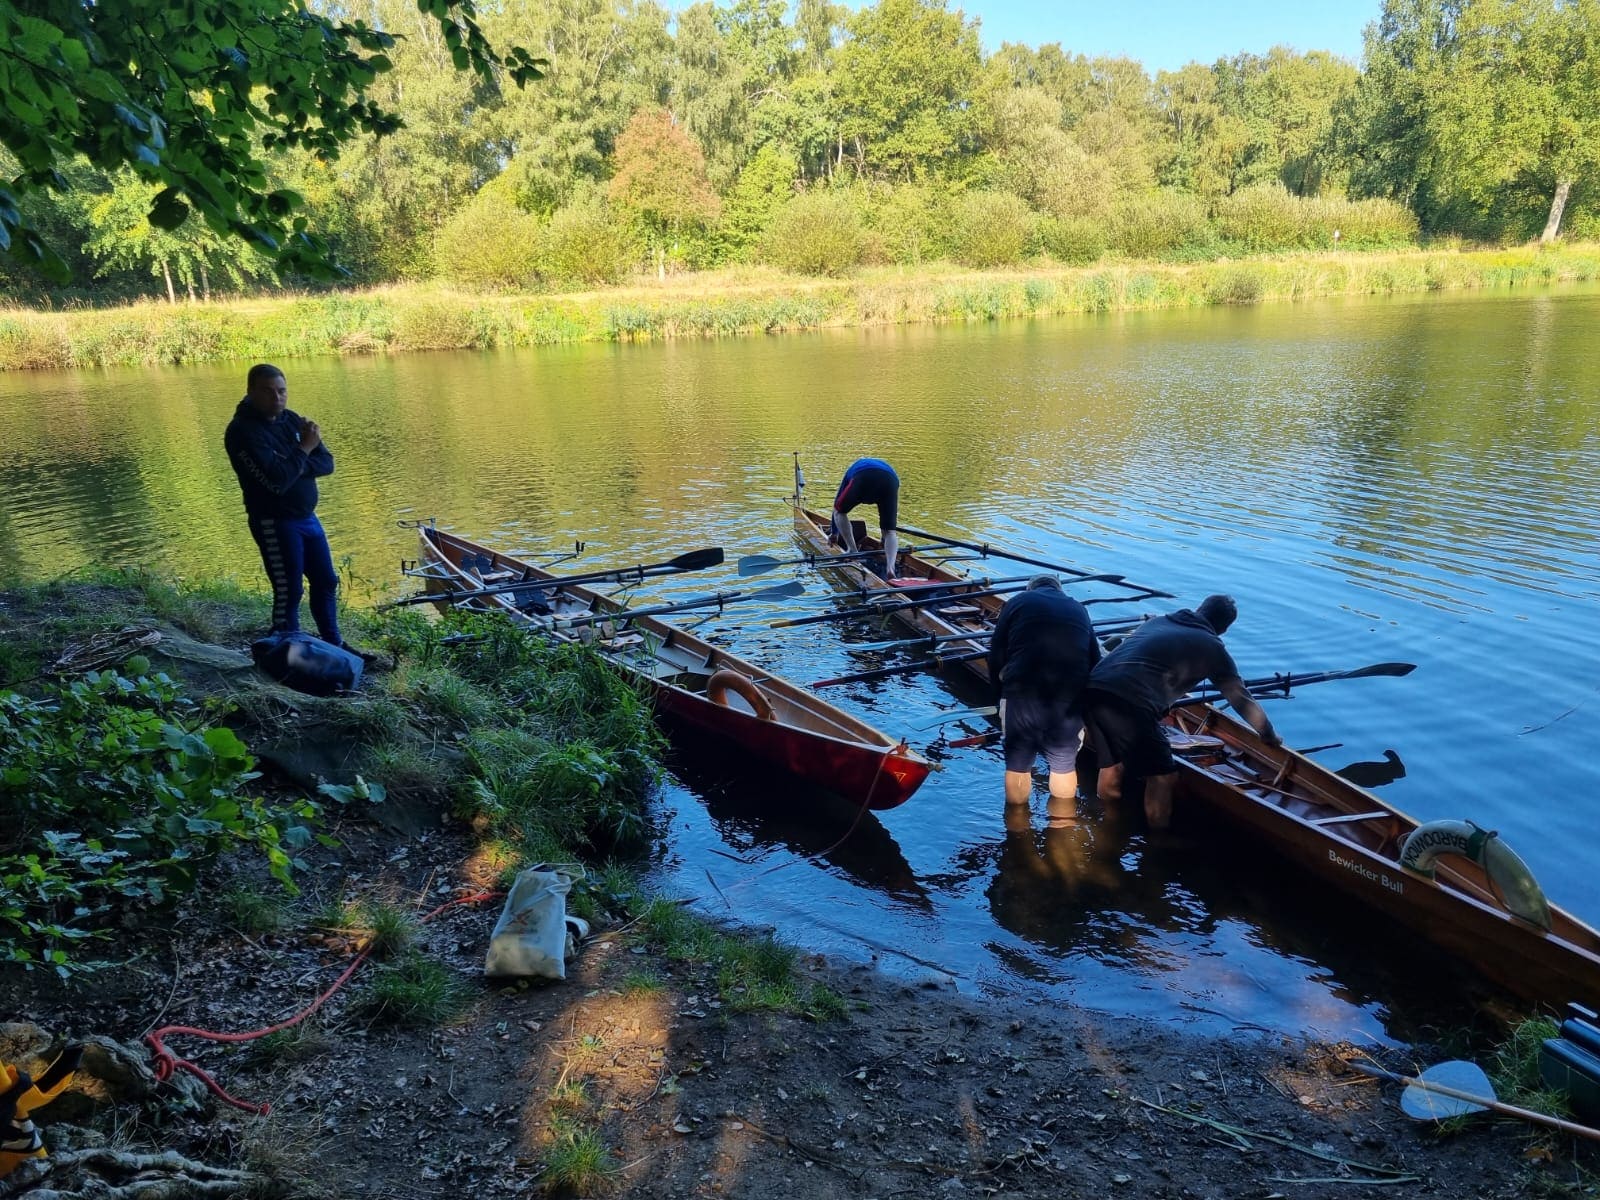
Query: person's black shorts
[(872, 485), (1123, 733), (1031, 727)]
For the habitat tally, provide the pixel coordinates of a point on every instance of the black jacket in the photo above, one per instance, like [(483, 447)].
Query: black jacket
[(277, 477), (1043, 647), (1163, 660)]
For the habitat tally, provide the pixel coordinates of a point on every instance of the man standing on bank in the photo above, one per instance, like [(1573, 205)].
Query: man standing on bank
[(278, 455), (869, 481), (1040, 656), (1133, 686)]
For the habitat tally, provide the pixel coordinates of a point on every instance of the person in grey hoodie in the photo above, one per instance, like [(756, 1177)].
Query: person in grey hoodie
[(1132, 688)]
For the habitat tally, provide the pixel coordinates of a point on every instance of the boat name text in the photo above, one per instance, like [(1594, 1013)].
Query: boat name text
[(1349, 864)]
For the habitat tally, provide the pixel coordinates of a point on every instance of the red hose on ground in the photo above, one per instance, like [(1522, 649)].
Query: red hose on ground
[(167, 1063)]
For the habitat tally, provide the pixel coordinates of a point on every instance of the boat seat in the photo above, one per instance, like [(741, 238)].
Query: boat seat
[(1349, 818), (958, 610), (623, 641), (1187, 743), (497, 576)]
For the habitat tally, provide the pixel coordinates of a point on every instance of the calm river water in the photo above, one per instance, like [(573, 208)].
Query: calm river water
[(1409, 479)]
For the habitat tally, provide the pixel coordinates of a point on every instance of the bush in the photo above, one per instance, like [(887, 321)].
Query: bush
[(490, 242), (113, 793), (1241, 285), (908, 224), (1075, 241), (1158, 223), (817, 233), (583, 246), (434, 325), (990, 229), (1267, 217)]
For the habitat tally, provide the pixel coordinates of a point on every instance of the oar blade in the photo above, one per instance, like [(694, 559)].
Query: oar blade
[(1420, 1103), (760, 564), (1394, 668), (697, 560), (782, 591)]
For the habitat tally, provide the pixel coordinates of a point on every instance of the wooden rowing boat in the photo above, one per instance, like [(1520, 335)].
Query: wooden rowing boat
[(957, 616), (695, 684), (1342, 835), (1310, 817)]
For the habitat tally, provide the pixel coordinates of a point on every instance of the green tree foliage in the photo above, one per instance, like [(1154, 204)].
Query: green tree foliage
[(661, 178), (764, 186), (490, 242), (991, 229), (584, 245), (190, 256), (1481, 114), (818, 233), (904, 83), (191, 97)]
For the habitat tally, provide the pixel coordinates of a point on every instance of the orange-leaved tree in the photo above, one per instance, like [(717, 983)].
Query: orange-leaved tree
[(661, 179)]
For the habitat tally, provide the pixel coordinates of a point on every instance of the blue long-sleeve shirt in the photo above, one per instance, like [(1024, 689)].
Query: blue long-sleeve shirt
[(277, 477)]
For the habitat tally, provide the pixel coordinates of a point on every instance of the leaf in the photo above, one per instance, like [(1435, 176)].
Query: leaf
[(168, 208)]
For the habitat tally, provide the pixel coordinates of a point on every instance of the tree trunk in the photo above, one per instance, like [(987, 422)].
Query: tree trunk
[(205, 283), (1557, 206), (166, 273), (661, 261)]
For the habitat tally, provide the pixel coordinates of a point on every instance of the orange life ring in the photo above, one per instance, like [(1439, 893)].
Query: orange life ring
[(725, 681)]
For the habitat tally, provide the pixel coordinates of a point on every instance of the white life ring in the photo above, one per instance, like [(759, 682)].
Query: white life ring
[(725, 681), (1519, 891)]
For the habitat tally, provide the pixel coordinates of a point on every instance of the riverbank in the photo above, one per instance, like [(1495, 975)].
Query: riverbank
[(737, 301), (679, 1059)]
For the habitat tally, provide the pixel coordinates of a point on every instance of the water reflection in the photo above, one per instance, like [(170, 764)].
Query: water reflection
[(1413, 479)]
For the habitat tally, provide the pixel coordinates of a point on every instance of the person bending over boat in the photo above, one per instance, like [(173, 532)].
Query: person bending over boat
[(278, 456), (1040, 656), (1134, 685), (869, 481)]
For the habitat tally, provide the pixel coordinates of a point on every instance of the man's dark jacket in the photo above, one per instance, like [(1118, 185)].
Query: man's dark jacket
[(277, 477)]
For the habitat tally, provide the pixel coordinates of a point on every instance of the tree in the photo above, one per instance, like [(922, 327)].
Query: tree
[(905, 81), (1480, 112), (661, 176), (122, 238), (192, 96)]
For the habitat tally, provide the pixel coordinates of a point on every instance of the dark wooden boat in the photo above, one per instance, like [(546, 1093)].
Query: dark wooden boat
[(1308, 816), (956, 616), (698, 685)]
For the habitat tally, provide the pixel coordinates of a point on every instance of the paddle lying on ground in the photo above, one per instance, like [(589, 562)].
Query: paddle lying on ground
[(694, 560), (989, 551), (760, 564), (782, 591), (1452, 1089), (1268, 686)]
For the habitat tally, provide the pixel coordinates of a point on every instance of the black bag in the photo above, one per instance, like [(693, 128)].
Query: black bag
[(307, 664)]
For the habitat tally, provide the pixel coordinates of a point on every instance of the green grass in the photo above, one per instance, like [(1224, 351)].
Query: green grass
[(251, 911), (641, 982), (413, 993), (746, 301), (1514, 1068), (753, 973), (578, 1162)]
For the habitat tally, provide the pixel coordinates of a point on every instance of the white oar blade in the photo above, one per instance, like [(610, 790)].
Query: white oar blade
[(1422, 1104)]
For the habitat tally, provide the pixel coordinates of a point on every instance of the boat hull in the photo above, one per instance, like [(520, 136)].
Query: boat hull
[(806, 737), (1323, 825)]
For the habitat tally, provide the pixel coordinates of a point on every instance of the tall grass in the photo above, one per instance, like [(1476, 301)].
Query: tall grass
[(751, 300)]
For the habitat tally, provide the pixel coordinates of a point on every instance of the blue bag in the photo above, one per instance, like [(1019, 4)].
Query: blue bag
[(307, 664)]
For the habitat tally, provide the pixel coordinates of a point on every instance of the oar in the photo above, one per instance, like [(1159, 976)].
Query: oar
[(980, 635), (1268, 685), (694, 560), (921, 588), (1446, 1080), (782, 591), (882, 610), (930, 664), (989, 551), (760, 564)]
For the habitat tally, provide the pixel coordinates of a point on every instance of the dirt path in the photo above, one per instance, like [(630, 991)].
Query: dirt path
[(915, 1091)]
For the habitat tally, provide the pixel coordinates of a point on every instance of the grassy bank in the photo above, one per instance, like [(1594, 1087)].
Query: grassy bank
[(736, 302)]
